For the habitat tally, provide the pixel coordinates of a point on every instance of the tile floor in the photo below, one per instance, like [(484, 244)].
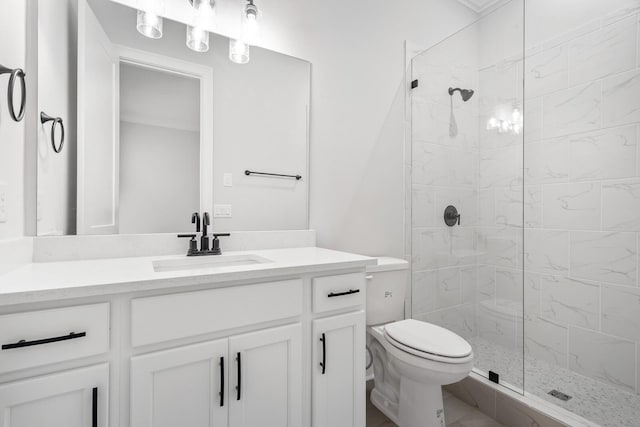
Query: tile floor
[(596, 401), (457, 414)]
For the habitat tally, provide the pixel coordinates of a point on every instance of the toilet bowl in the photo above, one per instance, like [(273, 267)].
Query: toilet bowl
[(411, 359)]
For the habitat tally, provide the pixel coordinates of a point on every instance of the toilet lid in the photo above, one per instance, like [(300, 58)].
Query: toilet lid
[(428, 338)]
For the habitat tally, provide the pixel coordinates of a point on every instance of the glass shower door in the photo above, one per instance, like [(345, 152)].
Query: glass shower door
[(467, 160)]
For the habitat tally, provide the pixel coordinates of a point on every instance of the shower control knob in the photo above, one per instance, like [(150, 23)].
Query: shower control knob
[(451, 216)]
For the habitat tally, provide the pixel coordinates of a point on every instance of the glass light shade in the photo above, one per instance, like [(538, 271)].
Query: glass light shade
[(203, 5), (197, 39), (238, 51), (149, 24)]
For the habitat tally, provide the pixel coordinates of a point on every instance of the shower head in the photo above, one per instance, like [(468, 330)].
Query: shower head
[(465, 93)]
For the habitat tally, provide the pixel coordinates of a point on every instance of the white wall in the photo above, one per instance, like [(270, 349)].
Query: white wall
[(158, 184), (12, 55), (57, 96)]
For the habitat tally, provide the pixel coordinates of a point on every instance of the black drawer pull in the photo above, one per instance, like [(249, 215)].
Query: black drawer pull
[(221, 381), (323, 364), (24, 343), (239, 386), (340, 294), (94, 407)]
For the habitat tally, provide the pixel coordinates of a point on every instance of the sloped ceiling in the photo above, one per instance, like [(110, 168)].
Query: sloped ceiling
[(479, 6)]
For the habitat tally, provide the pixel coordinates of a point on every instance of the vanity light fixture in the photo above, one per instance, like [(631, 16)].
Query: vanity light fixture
[(149, 24), (239, 50), (504, 125), (198, 37), (250, 22)]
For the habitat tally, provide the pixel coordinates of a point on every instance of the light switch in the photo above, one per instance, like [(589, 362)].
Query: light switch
[(222, 211), (4, 203), (228, 180)]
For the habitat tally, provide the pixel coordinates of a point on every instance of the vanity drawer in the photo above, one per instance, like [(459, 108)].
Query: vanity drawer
[(37, 338), (188, 314), (336, 292)]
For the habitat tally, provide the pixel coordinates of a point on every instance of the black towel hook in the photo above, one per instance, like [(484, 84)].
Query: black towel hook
[(44, 118), (19, 74)]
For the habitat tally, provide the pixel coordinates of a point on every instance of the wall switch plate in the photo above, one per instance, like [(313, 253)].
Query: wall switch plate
[(228, 180), (4, 202), (222, 211)]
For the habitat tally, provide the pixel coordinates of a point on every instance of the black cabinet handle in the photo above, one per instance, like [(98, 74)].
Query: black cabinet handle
[(339, 294), (221, 381), (238, 387), (24, 343), (94, 408), (324, 354)]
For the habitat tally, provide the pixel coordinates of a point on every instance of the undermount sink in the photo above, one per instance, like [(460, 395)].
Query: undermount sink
[(206, 262)]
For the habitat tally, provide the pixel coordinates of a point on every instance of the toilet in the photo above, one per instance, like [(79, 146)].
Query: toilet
[(411, 359)]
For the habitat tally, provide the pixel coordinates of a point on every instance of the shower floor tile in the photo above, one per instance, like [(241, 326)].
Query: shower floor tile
[(596, 401)]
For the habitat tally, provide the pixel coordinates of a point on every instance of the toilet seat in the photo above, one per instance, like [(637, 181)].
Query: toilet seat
[(428, 341)]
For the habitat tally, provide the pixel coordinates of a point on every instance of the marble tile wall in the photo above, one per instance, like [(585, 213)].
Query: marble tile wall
[(581, 234)]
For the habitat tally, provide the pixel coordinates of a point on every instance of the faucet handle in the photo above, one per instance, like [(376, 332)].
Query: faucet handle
[(193, 243), (215, 248)]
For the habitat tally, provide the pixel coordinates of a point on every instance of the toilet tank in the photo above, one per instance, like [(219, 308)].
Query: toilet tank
[(386, 290)]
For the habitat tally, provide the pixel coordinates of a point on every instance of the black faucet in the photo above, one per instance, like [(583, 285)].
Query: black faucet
[(204, 239)]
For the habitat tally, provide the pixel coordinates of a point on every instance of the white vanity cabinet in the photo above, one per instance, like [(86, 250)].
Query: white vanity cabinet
[(246, 380), (236, 352), (75, 398)]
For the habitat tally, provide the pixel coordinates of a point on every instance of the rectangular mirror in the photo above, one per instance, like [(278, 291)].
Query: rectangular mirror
[(138, 133)]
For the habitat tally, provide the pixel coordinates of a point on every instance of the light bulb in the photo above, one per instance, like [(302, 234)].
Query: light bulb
[(149, 24), (250, 23), (197, 39), (516, 115), (203, 6), (238, 51), (492, 123)]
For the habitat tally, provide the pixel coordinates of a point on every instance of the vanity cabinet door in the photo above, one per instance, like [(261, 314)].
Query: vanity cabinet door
[(338, 371), (266, 378), (76, 398), (185, 386)]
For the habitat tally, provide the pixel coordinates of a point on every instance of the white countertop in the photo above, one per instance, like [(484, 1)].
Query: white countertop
[(75, 279)]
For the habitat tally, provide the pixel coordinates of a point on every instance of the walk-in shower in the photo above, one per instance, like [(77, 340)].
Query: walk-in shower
[(542, 163)]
